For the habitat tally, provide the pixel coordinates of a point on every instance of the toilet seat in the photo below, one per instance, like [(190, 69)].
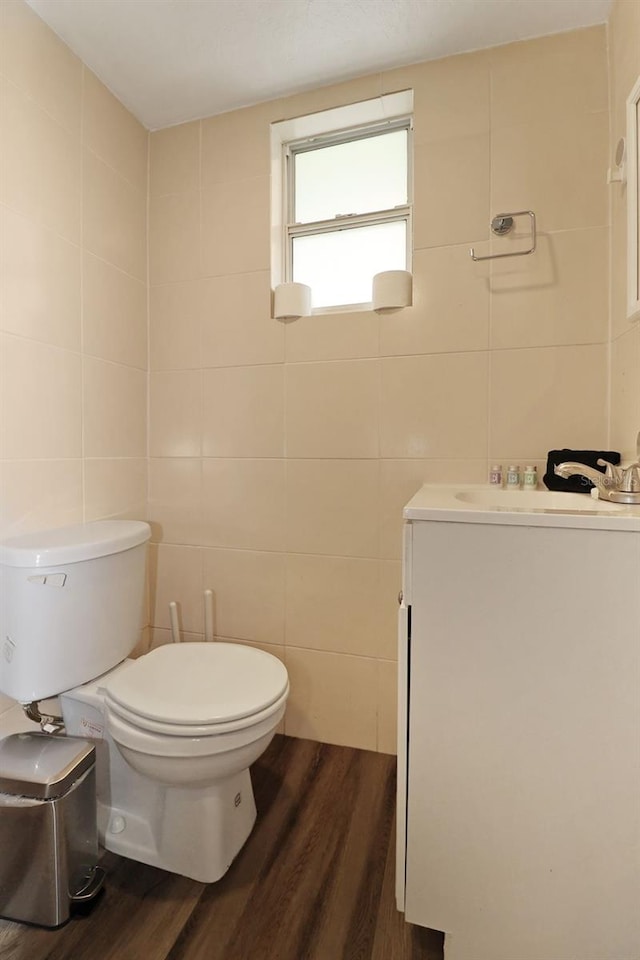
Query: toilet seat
[(192, 730), (198, 689)]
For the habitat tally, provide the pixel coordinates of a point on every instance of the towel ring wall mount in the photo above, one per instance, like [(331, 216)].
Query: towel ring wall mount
[(501, 225)]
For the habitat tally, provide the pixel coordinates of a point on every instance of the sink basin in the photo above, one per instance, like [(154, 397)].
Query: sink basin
[(547, 500), (475, 503)]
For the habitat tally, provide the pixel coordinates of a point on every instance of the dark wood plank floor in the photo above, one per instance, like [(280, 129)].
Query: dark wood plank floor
[(314, 882)]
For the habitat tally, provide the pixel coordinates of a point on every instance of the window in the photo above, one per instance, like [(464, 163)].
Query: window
[(345, 200)]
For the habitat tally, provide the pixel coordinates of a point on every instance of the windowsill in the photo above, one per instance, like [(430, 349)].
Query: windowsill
[(343, 308)]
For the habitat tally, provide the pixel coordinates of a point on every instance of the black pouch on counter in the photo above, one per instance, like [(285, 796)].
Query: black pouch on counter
[(576, 484)]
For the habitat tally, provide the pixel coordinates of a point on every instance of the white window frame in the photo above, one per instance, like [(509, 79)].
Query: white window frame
[(315, 131)]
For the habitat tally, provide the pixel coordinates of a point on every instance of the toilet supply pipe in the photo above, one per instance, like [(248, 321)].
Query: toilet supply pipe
[(208, 615), (175, 626)]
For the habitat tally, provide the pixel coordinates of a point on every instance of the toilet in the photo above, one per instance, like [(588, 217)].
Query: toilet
[(175, 730)]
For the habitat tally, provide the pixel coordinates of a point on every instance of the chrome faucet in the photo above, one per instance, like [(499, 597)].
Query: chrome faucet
[(603, 481), (616, 484)]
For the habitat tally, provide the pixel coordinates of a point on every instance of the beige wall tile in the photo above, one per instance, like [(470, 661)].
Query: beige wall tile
[(177, 313), (332, 336), (175, 160), (332, 409), (39, 495), (244, 504), (625, 392), (461, 107), (545, 399), (174, 506), (114, 313), (243, 411), (549, 78), (175, 414), (237, 327), (390, 583), (39, 282), (387, 741), (332, 507), (114, 217), (557, 168), (558, 296), (400, 479), (115, 410), (450, 309), (275, 649), (333, 698), (249, 594), (434, 406), (40, 401), (175, 574), (159, 636), (235, 228), (39, 164), (113, 133), (115, 488), (451, 192), (236, 145), (618, 261), (38, 62), (333, 604), (174, 238)]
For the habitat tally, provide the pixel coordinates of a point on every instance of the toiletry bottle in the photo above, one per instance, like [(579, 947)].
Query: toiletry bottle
[(495, 475), (513, 477), (530, 478)]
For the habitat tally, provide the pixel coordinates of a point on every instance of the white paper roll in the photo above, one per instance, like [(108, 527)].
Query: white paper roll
[(392, 290), (291, 300)]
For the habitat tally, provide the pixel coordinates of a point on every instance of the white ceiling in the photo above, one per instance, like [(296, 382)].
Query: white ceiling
[(176, 60)]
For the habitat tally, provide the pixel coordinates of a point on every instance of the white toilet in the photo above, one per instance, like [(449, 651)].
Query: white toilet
[(175, 730)]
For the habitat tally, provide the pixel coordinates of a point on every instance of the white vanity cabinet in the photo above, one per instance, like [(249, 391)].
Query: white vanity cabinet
[(519, 746)]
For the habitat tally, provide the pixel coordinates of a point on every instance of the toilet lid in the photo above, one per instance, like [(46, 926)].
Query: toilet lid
[(199, 683)]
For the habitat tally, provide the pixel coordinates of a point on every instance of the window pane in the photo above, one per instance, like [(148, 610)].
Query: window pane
[(354, 177), (339, 266)]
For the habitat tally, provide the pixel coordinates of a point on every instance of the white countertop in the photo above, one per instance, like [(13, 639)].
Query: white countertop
[(482, 503)]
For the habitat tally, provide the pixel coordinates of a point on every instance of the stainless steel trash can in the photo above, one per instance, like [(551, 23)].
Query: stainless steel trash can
[(48, 830)]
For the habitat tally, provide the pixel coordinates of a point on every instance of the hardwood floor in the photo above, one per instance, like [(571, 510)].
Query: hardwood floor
[(315, 881)]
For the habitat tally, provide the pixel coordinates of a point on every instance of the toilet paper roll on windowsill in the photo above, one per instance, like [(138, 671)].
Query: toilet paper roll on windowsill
[(291, 300), (392, 290)]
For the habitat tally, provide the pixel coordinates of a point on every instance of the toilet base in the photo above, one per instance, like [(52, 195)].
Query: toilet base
[(196, 833)]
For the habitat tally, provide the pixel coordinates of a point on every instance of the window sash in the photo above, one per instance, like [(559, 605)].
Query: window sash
[(347, 221)]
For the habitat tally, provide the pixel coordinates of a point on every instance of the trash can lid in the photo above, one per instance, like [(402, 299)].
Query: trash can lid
[(42, 766)]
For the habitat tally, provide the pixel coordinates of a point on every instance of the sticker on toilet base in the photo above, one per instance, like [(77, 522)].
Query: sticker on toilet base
[(92, 729)]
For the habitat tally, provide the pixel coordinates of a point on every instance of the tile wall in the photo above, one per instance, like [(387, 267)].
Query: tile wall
[(281, 455), (73, 288), (624, 69)]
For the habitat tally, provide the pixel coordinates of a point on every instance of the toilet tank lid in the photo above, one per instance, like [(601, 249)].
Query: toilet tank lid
[(83, 541)]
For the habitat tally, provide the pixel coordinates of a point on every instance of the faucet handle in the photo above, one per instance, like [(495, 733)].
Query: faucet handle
[(631, 479), (613, 475)]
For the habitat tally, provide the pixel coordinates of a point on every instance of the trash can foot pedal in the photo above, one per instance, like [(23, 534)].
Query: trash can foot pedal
[(93, 886)]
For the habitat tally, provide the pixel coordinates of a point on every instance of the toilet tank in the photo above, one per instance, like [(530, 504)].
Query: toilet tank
[(71, 605)]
